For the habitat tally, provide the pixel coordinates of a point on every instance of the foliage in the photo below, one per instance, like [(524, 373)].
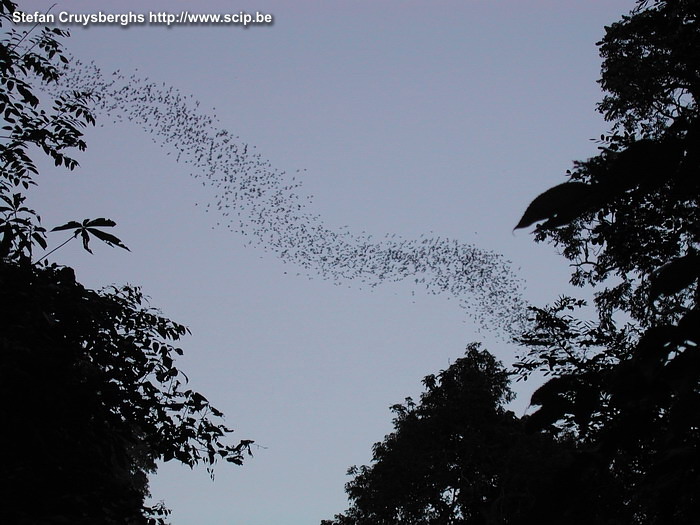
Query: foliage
[(633, 208), (628, 384), (458, 456), (616, 436), (92, 397)]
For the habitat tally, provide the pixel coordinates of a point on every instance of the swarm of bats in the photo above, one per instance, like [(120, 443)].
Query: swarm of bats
[(266, 205)]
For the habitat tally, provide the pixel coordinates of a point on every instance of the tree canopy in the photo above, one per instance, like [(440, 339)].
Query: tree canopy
[(442, 460), (617, 420), (92, 395), (627, 385), (460, 457)]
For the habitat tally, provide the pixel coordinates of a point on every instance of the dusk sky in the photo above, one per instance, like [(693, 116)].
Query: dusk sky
[(423, 119)]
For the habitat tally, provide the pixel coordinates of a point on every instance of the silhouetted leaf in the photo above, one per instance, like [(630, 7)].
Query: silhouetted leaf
[(101, 222), (552, 389), (67, 226), (675, 275), (86, 239), (565, 200), (108, 238), (39, 239)]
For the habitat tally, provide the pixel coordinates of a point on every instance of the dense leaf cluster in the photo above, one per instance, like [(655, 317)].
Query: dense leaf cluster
[(27, 59), (445, 452), (628, 384), (459, 457), (92, 398)]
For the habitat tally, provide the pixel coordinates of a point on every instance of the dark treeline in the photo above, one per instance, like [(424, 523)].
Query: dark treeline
[(91, 395), (615, 436)]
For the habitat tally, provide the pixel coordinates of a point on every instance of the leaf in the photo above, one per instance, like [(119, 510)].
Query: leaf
[(108, 238), (675, 275), (67, 226), (39, 240), (27, 95), (87, 228), (552, 389), (101, 222), (543, 418), (86, 239), (567, 200)]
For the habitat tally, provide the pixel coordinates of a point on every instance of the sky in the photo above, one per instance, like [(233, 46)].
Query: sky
[(415, 119)]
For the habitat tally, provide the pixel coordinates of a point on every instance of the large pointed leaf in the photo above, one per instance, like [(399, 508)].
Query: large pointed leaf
[(86, 239), (39, 239), (564, 201), (88, 227), (68, 226), (546, 416), (101, 222), (108, 238), (553, 389), (675, 275)]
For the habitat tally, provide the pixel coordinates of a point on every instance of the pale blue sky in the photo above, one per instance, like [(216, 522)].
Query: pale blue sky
[(409, 117)]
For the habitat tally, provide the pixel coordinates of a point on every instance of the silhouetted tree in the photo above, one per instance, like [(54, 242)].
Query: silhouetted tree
[(617, 433), (458, 456), (91, 396), (628, 384)]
